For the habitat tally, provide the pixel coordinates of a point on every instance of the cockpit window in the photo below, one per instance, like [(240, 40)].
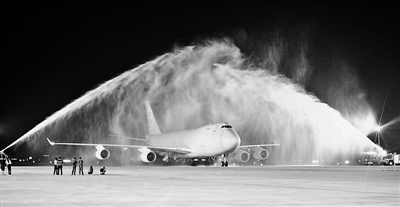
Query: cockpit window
[(226, 126)]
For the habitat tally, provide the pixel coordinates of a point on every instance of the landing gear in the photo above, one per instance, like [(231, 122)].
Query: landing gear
[(166, 158), (207, 161), (224, 162), (210, 161), (194, 162)]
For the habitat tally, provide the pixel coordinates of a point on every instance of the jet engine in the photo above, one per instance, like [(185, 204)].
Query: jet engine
[(260, 153), (148, 156), (242, 156), (102, 154)]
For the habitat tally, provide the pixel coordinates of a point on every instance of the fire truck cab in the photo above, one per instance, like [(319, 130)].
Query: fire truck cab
[(391, 159)]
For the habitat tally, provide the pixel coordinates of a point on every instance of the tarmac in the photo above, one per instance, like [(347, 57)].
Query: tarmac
[(204, 186)]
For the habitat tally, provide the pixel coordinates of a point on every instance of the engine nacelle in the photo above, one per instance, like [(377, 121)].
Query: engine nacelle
[(260, 153), (102, 154), (242, 156), (148, 156)]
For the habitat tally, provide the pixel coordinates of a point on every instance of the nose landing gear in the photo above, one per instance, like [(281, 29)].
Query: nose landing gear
[(224, 162)]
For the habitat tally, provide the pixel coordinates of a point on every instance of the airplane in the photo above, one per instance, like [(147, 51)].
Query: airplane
[(206, 142)]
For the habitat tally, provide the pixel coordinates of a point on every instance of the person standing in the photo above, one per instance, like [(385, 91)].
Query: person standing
[(55, 166), (80, 165), (60, 165), (74, 162), (8, 162), (3, 166)]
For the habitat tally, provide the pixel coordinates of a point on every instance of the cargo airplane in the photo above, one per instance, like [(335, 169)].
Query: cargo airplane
[(206, 142)]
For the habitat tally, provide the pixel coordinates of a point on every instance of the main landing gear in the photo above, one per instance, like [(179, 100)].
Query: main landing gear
[(224, 162), (194, 162), (204, 161)]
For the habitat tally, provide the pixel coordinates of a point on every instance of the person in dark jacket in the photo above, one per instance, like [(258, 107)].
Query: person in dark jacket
[(3, 166), (103, 170), (74, 162), (90, 170), (60, 165), (80, 165)]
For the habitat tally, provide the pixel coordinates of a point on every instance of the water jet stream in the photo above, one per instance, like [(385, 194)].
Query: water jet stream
[(205, 84)]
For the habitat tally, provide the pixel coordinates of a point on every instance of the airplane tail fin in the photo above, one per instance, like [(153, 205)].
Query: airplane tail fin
[(151, 121)]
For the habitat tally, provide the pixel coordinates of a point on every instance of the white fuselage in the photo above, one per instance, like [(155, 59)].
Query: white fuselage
[(207, 141)]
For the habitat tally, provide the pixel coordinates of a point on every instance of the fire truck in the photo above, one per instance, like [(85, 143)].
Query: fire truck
[(391, 159)]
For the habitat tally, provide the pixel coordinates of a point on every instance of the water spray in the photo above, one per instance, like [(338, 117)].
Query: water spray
[(209, 83)]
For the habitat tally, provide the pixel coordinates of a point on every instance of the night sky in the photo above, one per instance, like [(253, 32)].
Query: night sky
[(54, 52)]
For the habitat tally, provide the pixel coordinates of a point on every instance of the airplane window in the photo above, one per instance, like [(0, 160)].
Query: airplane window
[(226, 126)]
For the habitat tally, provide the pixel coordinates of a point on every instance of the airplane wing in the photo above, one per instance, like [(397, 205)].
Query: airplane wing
[(114, 135), (154, 148), (259, 145), (169, 149)]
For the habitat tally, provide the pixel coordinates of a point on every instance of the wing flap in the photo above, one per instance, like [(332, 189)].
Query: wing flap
[(125, 137), (259, 145), (169, 149)]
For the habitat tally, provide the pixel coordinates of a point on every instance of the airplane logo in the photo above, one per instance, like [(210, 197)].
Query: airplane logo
[(207, 142)]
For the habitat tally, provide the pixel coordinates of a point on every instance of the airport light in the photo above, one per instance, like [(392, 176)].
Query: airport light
[(378, 131)]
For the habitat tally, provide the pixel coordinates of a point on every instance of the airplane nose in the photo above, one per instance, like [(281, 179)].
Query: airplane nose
[(230, 141)]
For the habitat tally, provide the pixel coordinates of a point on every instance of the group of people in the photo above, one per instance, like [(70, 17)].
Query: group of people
[(79, 163), (102, 170), (6, 163), (58, 165)]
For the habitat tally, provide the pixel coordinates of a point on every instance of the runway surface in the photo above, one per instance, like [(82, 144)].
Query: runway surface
[(205, 186)]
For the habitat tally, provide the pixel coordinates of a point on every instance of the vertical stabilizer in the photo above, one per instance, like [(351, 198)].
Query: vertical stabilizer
[(151, 121)]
